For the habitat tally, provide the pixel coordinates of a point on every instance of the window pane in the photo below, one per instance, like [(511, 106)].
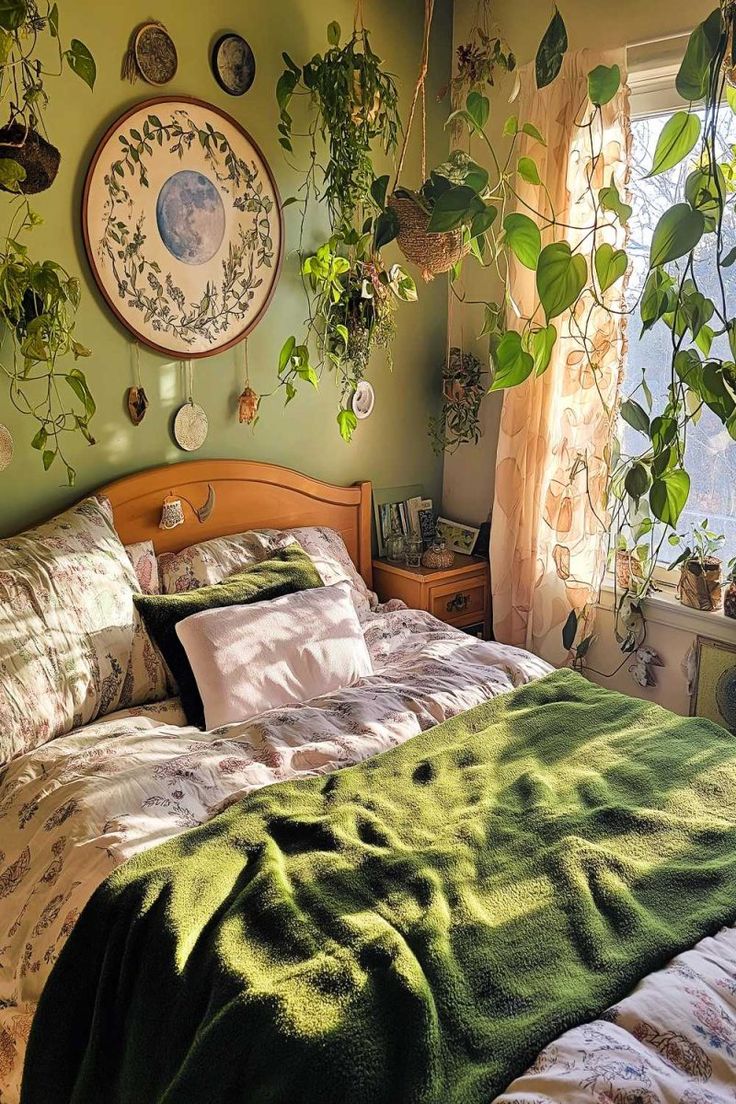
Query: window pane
[(711, 452)]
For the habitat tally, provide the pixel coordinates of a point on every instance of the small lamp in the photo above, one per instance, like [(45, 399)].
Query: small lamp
[(172, 510)]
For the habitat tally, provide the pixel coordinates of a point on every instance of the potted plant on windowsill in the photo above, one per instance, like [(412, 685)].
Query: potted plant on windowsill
[(700, 585)]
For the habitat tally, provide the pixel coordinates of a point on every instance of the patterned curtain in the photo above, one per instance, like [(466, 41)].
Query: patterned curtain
[(548, 534)]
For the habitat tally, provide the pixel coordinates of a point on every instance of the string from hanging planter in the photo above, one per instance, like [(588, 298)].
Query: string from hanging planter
[(248, 401), (433, 253), (137, 400)]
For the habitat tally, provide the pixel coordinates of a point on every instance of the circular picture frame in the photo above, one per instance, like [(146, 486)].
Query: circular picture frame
[(233, 64), (182, 226)]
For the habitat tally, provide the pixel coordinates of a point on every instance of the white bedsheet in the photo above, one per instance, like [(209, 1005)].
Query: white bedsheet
[(73, 810)]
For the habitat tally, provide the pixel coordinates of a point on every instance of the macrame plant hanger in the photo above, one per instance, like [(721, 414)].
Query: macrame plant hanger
[(137, 398), (433, 253)]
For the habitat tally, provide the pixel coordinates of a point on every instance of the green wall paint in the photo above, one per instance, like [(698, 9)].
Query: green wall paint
[(392, 447)]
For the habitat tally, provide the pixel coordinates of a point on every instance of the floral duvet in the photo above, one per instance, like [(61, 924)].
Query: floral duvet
[(73, 810)]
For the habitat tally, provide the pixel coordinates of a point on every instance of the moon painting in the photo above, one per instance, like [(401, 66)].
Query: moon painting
[(190, 217), (182, 226), (233, 64)]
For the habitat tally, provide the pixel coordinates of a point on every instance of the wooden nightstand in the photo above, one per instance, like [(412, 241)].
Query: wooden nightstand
[(460, 595)]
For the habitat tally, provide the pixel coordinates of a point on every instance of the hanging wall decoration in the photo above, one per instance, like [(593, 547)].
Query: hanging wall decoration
[(7, 447), (137, 399), (182, 226), (190, 422), (233, 64), (249, 399), (151, 55)]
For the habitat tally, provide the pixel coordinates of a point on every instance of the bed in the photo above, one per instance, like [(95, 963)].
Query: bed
[(74, 809)]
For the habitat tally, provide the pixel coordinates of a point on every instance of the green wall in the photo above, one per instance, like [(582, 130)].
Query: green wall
[(392, 447)]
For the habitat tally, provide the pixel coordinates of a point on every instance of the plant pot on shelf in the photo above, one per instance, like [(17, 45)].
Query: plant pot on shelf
[(433, 253), (700, 584), (627, 565), (37, 156), (729, 600)]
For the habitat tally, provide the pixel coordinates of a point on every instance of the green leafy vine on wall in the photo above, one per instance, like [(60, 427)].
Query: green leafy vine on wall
[(38, 299)]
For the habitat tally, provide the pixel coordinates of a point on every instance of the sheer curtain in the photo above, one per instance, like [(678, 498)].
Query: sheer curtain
[(549, 513)]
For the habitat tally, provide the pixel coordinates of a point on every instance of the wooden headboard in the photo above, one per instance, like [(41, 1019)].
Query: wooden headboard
[(248, 495)]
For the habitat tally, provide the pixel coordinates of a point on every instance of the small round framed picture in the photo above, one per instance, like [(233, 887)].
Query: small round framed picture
[(233, 64)]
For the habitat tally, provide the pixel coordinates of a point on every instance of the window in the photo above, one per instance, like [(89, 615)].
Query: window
[(711, 452)]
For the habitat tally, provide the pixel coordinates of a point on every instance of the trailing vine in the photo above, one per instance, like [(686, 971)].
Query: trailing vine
[(38, 299)]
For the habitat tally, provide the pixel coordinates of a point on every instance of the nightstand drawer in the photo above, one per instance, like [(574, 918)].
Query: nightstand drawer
[(459, 602)]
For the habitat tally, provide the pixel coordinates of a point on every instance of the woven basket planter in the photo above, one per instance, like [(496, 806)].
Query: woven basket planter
[(701, 585), (433, 253), (37, 156)]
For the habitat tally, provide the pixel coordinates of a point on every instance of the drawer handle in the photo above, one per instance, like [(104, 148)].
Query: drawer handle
[(458, 603)]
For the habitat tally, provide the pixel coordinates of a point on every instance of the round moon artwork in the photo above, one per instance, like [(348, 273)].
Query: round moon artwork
[(190, 217), (182, 226)]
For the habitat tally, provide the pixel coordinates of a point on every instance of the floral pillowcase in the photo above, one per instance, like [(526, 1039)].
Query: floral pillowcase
[(72, 646), (213, 560), (142, 555)]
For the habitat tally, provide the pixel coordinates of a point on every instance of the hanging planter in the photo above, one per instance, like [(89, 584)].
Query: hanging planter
[(432, 253), (33, 153)]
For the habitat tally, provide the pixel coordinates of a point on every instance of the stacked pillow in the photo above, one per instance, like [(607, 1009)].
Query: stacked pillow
[(72, 646)]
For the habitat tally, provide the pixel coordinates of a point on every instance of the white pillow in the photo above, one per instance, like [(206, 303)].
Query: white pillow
[(265, 655)]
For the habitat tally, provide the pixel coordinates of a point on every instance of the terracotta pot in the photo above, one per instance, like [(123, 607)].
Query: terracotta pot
[(700, 584), (729, 600), (627, 565), (37, 156)]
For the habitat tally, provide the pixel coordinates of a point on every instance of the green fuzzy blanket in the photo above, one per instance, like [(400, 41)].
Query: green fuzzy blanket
[(412, 929)]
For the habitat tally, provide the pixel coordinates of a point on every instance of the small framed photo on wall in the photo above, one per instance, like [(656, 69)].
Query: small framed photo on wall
[(714, 693)]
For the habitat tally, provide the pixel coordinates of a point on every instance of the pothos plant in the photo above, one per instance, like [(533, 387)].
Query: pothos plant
[(38, 299), (647, 490), (351, 293)]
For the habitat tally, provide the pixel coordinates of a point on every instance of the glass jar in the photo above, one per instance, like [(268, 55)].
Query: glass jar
[(414, 551), (395, 546)]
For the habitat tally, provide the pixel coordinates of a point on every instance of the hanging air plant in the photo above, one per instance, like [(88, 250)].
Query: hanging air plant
[(463, 389)]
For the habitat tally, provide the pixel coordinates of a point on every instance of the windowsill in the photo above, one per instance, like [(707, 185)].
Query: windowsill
[(664, 608)]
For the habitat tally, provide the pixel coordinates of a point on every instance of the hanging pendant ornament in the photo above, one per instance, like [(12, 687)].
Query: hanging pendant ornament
[(6, 447), (248, 401), (137, 398), (190, 423)]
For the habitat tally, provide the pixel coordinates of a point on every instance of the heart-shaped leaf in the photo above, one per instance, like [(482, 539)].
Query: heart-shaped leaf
[(523, 238), (13, 13), (528, 170), (387, 228), (456, 206), (80, 60), (603, 83), (677, 233), (637, 480), (561, 276), (635, 416), (541, 344), (669, 494), (610, 265), (552, 50), (610, 200), (678, 138), (513, 363), (692, 78), (478, 108)]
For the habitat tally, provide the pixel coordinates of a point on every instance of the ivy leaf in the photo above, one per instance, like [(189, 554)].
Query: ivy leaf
[(81, 62), (657, 297), (603, 83), (39, 441), (513, 363), (610, 200), (729, 258), (452, 209), (286, 352), (561, 276), (692, 78), (669, 494), (478, 108), (637, 481), (284, 88), (483, 221), (528, 170), (387, 228), (552, 50), (523, 238), (677, 233), (541, 344), (333, 33), (476, 178), (610, 265), (54, 21), (13, 13), (378, 190), (678, 138), (531, 130), (569, 631), (347, 423), (48, 459), (11, 174), (635, 416)]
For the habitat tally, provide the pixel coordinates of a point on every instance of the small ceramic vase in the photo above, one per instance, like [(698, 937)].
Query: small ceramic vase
[(438, 557)]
